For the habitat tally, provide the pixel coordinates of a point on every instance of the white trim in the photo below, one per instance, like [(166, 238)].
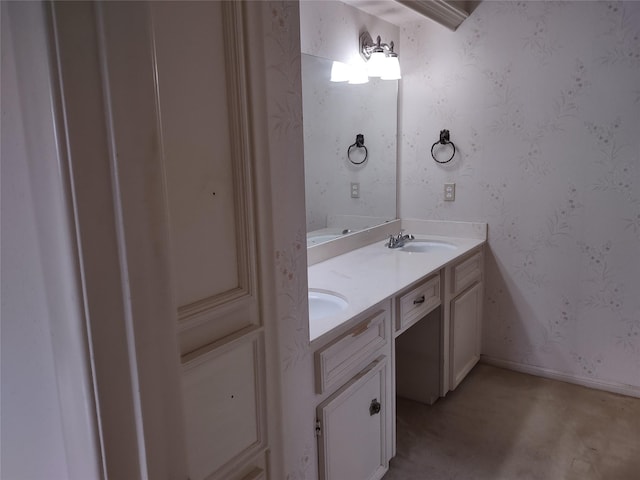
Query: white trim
[(613, 387), (119, 227), (441, 11)]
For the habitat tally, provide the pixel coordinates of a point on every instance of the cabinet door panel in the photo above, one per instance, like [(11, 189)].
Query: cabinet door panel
[(466, 312), (223, 420), (206, 153), (352, 444)]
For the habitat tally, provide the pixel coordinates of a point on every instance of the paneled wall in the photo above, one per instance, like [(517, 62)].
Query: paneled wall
[(543, 102)]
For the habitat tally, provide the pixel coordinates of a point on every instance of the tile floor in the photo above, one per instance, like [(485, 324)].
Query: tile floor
[(504, 425)]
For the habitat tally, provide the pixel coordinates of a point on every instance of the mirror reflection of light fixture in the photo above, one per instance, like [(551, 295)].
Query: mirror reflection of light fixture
[(354, 74), (358, 75), (340, 72), (381, 60)]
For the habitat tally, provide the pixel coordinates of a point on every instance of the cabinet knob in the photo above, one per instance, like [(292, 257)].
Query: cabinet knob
[(419, 300), (375, 406)]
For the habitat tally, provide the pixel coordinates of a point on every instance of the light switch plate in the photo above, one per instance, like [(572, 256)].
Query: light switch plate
[(355, 190), (449, 192)]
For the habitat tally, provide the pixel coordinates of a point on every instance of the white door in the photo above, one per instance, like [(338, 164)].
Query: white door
[(158, 128)]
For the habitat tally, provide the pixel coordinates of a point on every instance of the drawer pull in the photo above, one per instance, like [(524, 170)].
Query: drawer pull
[(360, 329), (375, 407), (419, 300)]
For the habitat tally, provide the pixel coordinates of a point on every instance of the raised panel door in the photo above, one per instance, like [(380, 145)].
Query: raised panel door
[(466, 314), (353, 438)]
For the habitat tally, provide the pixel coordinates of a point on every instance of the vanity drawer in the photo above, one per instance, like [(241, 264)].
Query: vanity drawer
[(346, 355), (466, 273), (414, 305)]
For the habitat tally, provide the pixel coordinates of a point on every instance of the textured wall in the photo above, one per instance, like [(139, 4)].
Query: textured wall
[(543, 103)]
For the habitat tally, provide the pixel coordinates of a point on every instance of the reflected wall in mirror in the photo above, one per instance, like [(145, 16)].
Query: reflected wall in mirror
[(334, 113)]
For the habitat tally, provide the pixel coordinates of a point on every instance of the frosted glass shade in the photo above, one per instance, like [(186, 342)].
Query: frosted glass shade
[(358, 75), (376, 64), (391, 69)]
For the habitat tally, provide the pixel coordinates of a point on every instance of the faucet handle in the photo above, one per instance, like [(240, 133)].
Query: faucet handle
[(392, 241)]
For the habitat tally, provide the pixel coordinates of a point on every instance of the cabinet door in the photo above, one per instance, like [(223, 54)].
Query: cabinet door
[(466, 314), (352, 423)]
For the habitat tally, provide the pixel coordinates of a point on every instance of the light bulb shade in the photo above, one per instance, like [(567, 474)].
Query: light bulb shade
[(358, 75), (391, 68), (340, 72), (376, 64)]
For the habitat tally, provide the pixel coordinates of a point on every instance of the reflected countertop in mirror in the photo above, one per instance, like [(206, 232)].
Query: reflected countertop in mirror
[(334, 113)]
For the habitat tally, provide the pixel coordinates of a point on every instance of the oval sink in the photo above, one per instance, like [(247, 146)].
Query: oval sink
[(424, 246), (323, 304)]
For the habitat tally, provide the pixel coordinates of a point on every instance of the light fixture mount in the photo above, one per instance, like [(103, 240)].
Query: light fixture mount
[(367, 46)]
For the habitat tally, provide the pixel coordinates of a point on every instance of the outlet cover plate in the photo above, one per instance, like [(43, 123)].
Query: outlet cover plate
[(449, 192)]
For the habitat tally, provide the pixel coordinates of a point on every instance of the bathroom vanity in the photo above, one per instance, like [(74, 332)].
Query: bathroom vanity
[(403, 321)]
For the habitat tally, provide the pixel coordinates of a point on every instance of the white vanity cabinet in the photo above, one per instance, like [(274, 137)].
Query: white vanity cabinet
[(465, 313), (354, 392), (418, 341)]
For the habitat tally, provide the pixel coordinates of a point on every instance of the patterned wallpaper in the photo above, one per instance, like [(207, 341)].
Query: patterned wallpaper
[(284, 109), (543, 102)]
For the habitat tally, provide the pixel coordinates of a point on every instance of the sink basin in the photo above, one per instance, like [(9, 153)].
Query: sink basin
[(424, 246), (323, 304)]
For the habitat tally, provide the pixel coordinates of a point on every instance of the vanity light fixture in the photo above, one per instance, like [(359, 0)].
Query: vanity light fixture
[(381, 60)]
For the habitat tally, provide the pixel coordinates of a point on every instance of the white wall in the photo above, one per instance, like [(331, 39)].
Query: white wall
[(543, 102), (48, 428)]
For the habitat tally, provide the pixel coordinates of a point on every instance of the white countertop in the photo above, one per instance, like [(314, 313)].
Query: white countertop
[(373, 273)]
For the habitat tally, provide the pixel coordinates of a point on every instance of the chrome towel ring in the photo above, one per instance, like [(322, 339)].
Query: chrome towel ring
[(359, 143), (444, 140)]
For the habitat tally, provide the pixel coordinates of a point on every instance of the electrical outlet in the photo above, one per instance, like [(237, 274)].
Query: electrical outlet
[(355, 190), (449, 192)]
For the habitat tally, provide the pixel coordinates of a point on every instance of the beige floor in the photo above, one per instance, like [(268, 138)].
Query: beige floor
[(503, 425)]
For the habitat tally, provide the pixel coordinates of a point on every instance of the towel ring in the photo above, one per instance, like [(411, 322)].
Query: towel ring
[(359, 143), (444, 140)]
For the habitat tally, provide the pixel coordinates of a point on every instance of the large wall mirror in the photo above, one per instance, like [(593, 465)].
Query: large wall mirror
[(334, 113)]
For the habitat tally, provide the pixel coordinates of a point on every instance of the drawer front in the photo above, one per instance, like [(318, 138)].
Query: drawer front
[(345, 356), (466, 273), (418, 302)]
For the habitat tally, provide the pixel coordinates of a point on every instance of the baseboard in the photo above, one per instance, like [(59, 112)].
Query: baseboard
[(619, 388)]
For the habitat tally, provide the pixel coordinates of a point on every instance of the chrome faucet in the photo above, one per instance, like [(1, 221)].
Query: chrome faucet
[(398, 241)]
